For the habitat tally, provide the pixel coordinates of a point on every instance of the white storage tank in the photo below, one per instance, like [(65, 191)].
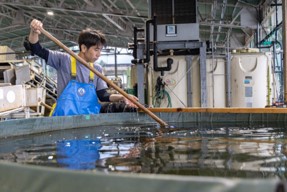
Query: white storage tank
[(251, 80), (175, 93), (215, 82), (176, 82)]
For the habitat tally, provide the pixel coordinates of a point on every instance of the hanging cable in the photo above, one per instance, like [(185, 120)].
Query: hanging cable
[(161, 94)]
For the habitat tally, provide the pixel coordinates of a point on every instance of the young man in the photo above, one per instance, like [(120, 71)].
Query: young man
[(77, 87)]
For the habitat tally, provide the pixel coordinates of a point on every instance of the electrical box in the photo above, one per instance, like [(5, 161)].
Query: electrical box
[(176, 20), (177, 32)]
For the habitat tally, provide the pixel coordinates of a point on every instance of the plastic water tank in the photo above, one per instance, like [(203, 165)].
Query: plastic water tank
[(251, 80), (175, 81), (215, 82)]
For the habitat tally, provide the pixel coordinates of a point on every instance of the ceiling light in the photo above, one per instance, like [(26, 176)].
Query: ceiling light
[(50, 13)]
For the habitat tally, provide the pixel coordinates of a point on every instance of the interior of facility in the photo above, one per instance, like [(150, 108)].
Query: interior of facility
[(208, 79), (213, 54)]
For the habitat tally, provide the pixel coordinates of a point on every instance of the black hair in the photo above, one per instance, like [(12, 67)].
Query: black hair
[(90, 37)]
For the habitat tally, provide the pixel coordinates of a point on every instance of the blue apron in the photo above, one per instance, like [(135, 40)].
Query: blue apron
[(77, 98)]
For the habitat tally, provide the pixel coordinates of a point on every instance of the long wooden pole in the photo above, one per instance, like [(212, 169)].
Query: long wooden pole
[(60, 44)]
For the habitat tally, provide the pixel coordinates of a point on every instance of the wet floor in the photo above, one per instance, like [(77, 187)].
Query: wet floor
[(197, 150)]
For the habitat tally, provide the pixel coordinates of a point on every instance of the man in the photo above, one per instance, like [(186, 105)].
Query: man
[(78, 88)]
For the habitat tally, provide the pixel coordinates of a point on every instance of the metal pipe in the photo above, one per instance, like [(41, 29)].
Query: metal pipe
[(116, 64), (147, 39), (284, 8), (147, 35), (155, 57), (228, 78), (278, 26), (134, 46)]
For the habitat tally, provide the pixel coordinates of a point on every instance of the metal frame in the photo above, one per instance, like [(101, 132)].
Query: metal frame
[(218, 20)]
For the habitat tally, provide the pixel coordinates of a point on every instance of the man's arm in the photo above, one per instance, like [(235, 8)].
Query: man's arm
[(33, 39), (35, 26), (103, 95), (119, 97)]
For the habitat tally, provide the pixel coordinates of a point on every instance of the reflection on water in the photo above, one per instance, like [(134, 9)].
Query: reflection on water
[(222, 151), (78, 153)]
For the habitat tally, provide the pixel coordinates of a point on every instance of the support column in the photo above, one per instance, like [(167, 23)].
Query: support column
[(228, 79), (202, 61), (188, 60), (116, 65), (284, 29), (140, 76)]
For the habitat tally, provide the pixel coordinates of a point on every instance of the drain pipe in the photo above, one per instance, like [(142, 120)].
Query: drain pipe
[(135, 47), (147, 35), (169, 61), (147, 48)]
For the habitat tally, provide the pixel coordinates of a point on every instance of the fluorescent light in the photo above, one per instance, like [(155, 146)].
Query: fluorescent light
[(51, 13)]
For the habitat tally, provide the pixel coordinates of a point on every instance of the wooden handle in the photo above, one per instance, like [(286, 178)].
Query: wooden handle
[(109, 82)]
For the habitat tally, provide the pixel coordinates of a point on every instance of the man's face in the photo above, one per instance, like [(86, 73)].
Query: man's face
[(93, 53)]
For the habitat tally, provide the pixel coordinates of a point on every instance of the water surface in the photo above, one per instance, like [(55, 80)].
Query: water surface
[(197, 150)]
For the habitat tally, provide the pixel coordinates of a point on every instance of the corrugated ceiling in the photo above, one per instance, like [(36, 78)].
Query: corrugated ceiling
[(220, 20)]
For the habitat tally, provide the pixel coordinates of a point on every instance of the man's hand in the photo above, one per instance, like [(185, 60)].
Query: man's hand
[(129, 103), (35, 26)]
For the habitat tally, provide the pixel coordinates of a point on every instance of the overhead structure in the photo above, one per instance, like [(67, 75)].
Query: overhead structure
[(219, 21)]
